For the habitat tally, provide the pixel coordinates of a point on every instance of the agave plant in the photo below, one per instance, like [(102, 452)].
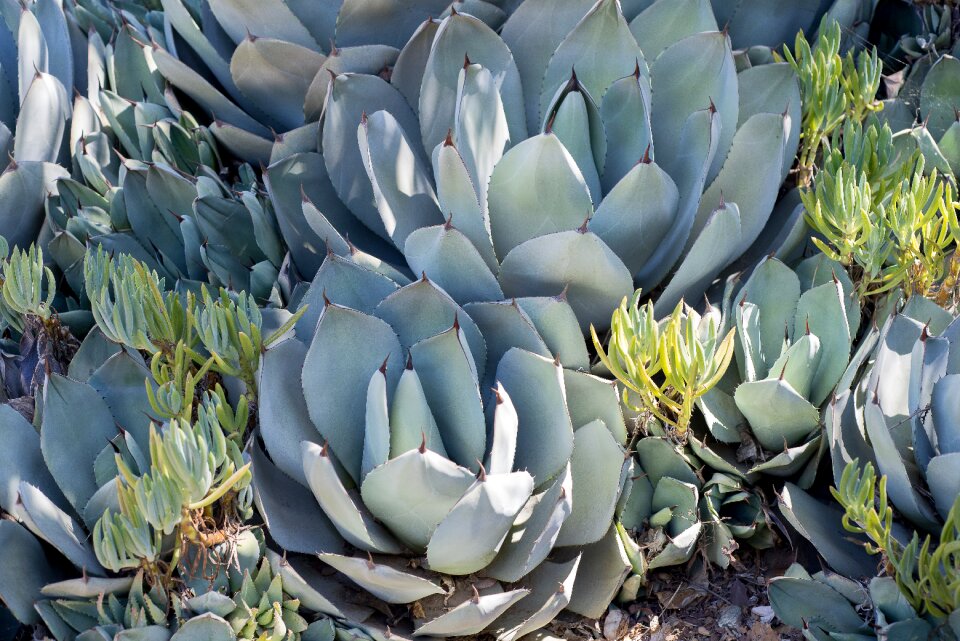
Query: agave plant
[(466, 444)]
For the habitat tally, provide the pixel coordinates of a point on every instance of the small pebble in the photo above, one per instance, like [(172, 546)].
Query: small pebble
[(729, 617), (612, 624), (764, 613), (702, 631)]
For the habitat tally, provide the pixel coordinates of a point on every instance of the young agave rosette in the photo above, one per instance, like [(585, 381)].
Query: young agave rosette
[(453, 455)]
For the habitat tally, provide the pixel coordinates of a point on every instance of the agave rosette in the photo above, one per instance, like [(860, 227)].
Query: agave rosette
[(455, 453)]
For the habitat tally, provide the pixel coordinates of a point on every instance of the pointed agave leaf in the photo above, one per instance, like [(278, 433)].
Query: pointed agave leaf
[(350, 95), (551, 585), (347, 348), (276, 75), (591, 397), (342, 507), (295, 521), (798, 364), (822, 310), (796, 600), (711, 251), (557, 325), (943, 479), (603, 567), (939, 95), (411, 421), (699, 139), (360, 22), (600, 49), (120, 382), (574, 118), (448, 258), (21, 460), (459, 37), (422, 310), (460, 201), (382, 581), (779, 417), (270, 19), (750, 177), (87, 588), (401, 184), (689, 75), (205, 627), (560, 202), (596, 463), (39, 136), (367, 59), (767, 304), (32, 53), (302, 582), (665, 22), (535, 386), (637, 214), (504, 325), (483, 517), (481, 129), (58, 528), (534, 531), (23, 189), (413, 492), (71, 442), (449, 378), (772, 88), (625, 112), (23, 571), (790, 461), (579, 261), (376, 438), (472, 616), (503, 448), (408, 70)]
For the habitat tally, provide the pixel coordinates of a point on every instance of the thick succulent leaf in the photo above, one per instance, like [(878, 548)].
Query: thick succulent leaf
[(413, 492), (560, 202), (534, 531), (699, 137), (376, 437), (383, 581), (943, 479), (659, 459), (283, 416), (345, 283), (710, 252), (343, 507), (460, 202), (595, 464), (58, 528), (23, 571), (21, 460), (940, 94), (205, 94), (449, 378), (594, 277), (461, 37), (294, 519), (819, 269), (557, 325), (205, 627), (301, 582), (483, 517), (351, 95), (820, 524), (362, 22), (591, 397), (472, 616), (625, 113), (296, 141), (665, 22), (679, 550), (481, 129), (574, 118), (637, 214), (533, 32), (550, 587), (275, 74), (411, 420), (943, 404), (603, 567), (367, 59), (407, 73), (270, 19), (504, 325), (401, 183), (446, 256), (750, 177), (87, 588), (120, 382), (822, 310), (798, 364), (39, 136), (779, 417), (772, 88), (600, 49), (767, 305), (503, 445), (23, 189), (71, 442), (797, 600), (422, 310), (32, 52), (347, 348), (535, 385), (688, 76), (791, 461)]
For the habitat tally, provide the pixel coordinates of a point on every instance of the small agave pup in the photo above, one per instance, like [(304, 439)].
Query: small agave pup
[(465, 446)]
